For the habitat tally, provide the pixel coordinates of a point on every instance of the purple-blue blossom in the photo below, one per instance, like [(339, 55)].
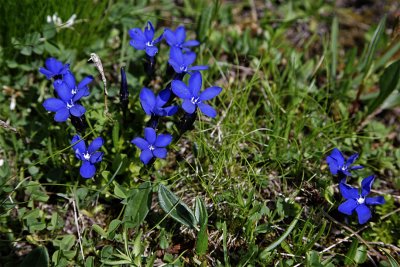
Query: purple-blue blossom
[(177, 39), (89, 156), (358, 201), (152, 145), (154, 105), (193, 98), (67, 104), (54, 68), (338, 164), (182, 62), (143, 40)]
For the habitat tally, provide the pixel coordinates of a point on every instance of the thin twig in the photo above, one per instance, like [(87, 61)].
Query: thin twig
[(7, 126), (97, 62), (78, 229)]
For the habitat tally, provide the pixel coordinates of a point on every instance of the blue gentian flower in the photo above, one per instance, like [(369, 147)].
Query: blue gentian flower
[(55, 68), (143, 40), (177, 38), (153, 105), (192, 97), (182, 62), (338, 165), (69, 83), (67, 104), (359, 201), (89, 156), (152, 145)]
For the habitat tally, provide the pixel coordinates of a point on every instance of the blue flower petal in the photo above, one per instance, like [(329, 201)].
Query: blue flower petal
[(137, 35), (80, 147), (140, 143), (175, 66), (151, 50), (366, 185), (137, 44), (364, 213), (163, 97), (197, 68), (188, 106), (80, 93), (163, 140), (189, 58), (77, 110), (337, 155), (96, 157), (150, 135), (95, 145), (210, 93), (351, 159), (54, 65), (170, 37), (85, 82), (170, 111), (146, 156), (87, 169), (176, 55), (46, 72), (63, 91), (149, 31), (147, 100), (358, 167), (190, 43), (348, 206), (69, 80), (180, 90), (53, 104), (160, 153), (180, 35), (347, 191), (375, 200), (207, 110), (195, 82), (158, 39), (61, 115)]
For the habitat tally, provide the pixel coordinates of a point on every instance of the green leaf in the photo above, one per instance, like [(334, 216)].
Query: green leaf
[(202, 218), (89, 261), (119, 191), (334, 49), (115, 135), (368, 56), (282, 237), (39, 257), (388, 82), (313, 259), (172, 205), (205, 20), (112, 227), (350, 256), (99, 230), (392, 261), (138, 205), (361, 254)]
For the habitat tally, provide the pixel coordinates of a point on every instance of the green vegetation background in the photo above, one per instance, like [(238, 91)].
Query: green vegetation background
[(299, 78)]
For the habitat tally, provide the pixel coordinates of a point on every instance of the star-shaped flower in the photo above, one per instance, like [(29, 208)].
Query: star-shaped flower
[(69, 83), (152, 145), (338, 165), (143, 40), (359, 201), (192, 98), (54, 68), (153, 105), (182, 62), (67, 104), (177, 38), (89, 156)]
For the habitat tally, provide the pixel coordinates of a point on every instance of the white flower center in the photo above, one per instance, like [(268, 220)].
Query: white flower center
[(70, 104), (183, 68), (343, 168), (151, 147), (86, 155), (360, 200), (73, 91), (194, 100), (150, 43)]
